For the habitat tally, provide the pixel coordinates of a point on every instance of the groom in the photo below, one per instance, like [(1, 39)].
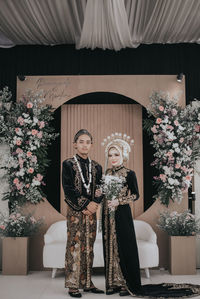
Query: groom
[(80, 177)]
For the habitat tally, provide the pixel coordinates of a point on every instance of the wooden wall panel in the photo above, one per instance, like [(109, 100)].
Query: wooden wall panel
[(101, 121)]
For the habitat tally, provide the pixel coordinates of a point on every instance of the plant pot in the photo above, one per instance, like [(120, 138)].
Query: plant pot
[(15, 256), (182, 255)]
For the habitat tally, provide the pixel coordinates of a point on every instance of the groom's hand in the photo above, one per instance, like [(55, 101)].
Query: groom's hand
[(92, 207), (86, 212)]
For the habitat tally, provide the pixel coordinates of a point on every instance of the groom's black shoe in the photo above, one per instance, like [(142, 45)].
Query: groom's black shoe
[(75, 294), (94, 290)]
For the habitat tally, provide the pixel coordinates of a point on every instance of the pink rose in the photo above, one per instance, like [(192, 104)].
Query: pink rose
[(181, 140), (16, 181), (2, 227), (162, 177), (39, 177), (20, 120), (169, 154), (18, 142), (31, 170), (161, 108), (19, 150), (177, 166), (197, 128), (29, 105), (29, 154), (41, 124), (154, 130), (188, 178), (39, 135), (19, 186), (17, 130), (176, 122), (158, 120), (170, 127), (27, 185), (21, 162), (34, 132)]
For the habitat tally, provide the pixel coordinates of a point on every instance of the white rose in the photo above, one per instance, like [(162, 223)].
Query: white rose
[(177, 150), (171, 181)]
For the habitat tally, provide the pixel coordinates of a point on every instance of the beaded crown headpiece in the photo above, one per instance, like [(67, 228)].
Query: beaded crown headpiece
[(121, 142)]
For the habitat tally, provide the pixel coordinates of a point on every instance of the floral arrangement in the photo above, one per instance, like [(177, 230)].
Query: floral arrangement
[(25, 127), (176, 139), (179, 224), (19, 225), (111, 187)]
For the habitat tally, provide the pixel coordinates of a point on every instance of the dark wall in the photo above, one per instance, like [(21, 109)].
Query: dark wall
[(65, 60)]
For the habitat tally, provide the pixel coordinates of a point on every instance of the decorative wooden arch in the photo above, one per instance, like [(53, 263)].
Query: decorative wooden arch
[(60, 89)]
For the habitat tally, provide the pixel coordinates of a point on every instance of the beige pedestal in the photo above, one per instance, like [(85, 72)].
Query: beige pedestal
[(182, 255), (15, 256)]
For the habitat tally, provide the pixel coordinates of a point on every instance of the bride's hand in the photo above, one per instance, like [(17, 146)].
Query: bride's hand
[(113, 203)]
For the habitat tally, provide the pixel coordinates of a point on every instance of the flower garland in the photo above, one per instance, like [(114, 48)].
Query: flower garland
[(176, 139), (24, 126)]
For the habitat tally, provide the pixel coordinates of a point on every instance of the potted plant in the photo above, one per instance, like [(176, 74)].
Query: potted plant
[(16, 230), (182, 229)]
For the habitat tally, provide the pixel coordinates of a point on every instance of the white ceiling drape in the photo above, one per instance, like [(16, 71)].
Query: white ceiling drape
[(112, 24)]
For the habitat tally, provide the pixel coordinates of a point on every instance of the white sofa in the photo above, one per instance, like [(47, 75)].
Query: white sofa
[(55, 246)]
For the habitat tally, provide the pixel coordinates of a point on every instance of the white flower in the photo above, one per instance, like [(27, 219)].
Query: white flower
[(177, 150), (171, 181), (35, 183), (35, 120), (21, 172), (175, 145), (181, 128), (25, 115)]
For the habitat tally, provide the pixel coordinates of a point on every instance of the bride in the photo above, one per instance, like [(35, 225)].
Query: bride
[(122, 270)]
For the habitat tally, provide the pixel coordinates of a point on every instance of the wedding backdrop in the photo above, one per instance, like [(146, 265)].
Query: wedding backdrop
[(81, 77)]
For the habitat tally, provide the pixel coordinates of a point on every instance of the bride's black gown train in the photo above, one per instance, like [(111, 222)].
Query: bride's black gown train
[(121, 253)]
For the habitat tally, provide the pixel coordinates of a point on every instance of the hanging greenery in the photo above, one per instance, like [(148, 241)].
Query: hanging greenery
[(175, 133), (25, 128)]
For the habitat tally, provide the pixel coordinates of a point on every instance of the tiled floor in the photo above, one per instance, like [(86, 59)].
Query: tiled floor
[(40, 285)]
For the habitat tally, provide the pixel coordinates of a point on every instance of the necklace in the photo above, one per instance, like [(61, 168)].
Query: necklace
[(87, 186)]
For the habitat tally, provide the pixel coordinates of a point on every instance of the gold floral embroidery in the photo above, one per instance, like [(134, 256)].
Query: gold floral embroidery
[(81, 232)]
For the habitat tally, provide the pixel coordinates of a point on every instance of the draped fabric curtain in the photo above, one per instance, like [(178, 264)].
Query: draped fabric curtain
[(112, 24)]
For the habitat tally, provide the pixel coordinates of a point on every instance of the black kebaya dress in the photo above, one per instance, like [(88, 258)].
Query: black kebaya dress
[(120, 247)]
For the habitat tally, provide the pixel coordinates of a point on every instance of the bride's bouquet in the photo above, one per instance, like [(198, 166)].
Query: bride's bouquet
[(111, 187)]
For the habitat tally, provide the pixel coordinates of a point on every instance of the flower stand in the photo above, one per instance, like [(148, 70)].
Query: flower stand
[(15, 256), (182, 255)]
